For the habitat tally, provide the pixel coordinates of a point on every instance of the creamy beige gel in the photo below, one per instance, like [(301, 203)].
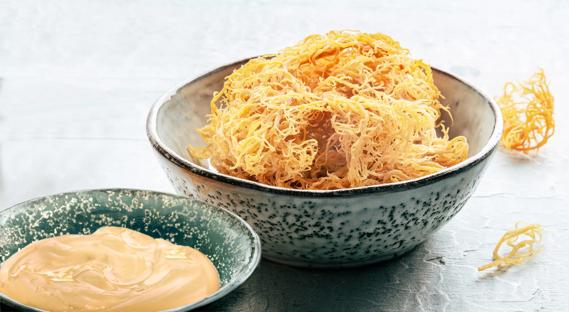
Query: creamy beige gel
[(113, 269)]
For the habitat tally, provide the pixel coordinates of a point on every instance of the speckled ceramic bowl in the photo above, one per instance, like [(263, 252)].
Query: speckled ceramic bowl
[(226, 239), (346, 227)]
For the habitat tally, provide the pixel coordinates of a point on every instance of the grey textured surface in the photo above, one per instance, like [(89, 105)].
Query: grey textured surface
[(79, 76)]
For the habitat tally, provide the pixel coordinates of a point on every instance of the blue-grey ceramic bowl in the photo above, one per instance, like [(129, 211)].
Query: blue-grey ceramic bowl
[(226, 239), (337, 228)]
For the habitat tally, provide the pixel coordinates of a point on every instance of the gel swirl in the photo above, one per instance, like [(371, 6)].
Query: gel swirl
[(113, 269)]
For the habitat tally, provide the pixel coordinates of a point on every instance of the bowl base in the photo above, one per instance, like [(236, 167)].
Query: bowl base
[(317, 265)]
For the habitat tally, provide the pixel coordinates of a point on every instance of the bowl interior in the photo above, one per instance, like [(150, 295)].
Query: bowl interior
[(186, 109), (226, 239)]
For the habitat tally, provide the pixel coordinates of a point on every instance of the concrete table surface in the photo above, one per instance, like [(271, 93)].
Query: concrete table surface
[(77, 78)]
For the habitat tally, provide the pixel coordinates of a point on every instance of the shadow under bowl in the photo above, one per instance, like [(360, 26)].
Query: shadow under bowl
[(335, 228), (226, 239)]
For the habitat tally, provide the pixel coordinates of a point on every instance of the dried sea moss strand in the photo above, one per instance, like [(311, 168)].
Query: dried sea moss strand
[(527, 109), (521, 250)]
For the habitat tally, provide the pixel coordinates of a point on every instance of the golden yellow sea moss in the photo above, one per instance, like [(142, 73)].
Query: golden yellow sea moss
[(527, 109), (521, 240), (339, 110)]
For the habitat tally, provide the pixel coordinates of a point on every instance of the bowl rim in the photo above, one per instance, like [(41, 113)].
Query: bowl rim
[(182, 162), (241, 276)]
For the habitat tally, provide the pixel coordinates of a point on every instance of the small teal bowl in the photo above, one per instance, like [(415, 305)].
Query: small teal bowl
[(230, 243)]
